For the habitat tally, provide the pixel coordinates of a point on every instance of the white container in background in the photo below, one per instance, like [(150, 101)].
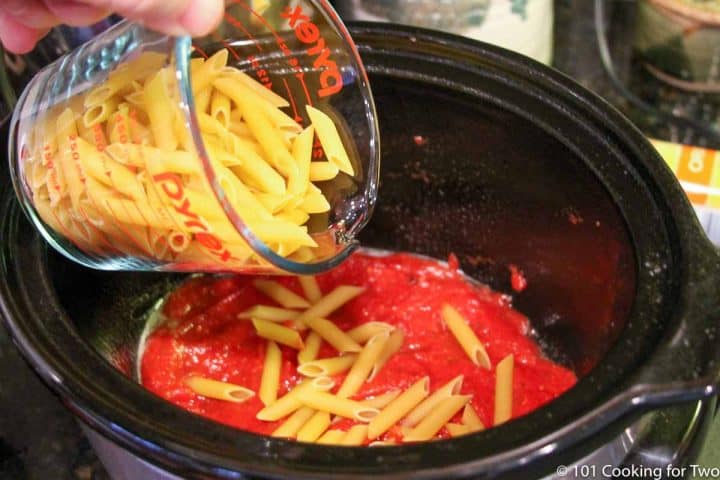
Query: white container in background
[(525, 26)]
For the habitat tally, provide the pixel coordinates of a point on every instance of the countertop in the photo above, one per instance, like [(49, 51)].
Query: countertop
[(44, 441)]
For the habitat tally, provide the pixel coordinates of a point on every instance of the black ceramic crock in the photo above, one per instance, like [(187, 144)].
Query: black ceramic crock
[(487, 155)]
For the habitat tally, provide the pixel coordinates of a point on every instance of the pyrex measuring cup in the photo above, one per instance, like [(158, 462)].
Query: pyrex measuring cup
[(253, 149)]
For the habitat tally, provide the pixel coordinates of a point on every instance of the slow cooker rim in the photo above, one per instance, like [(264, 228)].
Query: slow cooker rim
[(54, 377)]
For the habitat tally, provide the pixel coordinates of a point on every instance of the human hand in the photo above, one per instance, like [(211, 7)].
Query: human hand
[(24, 22)]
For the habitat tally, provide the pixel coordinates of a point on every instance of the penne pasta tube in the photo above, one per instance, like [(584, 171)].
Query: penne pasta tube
[(381, 401), (361, 369), (331, 437), (282, 295), (261, 128), (270, 380), (290, 427), (333, 335), (219, 390), (202, 100), (311, 348), (435, 420), (344, 407), (256, 87), (326, 366), (273, 331), (330, 139), (302, 153), (471, 418), (314, 201), (280, 120), (365, 331), (356, 436), (503, 390), (430, 403), (314, 427), (391, 347), (398, 408), (160, 108), (323, 171), (204, 75), (274, 203), (294, 216), (265, 312), (99, 112), (239, 128), (465, 336), (290, 402), (458, 429), (330, 302), (310, 288), (220, 108)]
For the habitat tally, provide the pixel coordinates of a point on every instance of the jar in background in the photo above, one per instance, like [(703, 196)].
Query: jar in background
[(525, 26)]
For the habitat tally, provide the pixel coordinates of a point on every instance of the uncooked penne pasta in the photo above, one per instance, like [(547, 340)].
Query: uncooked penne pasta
[(465, 336), (310, 288), (471, 418), (311, 348), (204, 75), (290, 402), (330, 302), (323, 171), (503, 390), (435, 420), (326, 366), (363, 365), (364, 332), (123, 164), (355, 436), (282, 295), (331, 437), (430, 403), (336, 405), (398, 408), (393, 344), (458, 429), (273, 331), (266, 312), (290, 427), (160, 108), (302, 153), (314, 427), (256, 87), (381, 401), (270, 380), (330, 139), (333, 335), (219, 390), (220, 108)]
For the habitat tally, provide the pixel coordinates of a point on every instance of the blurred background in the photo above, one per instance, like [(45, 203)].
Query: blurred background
[(657, 61)]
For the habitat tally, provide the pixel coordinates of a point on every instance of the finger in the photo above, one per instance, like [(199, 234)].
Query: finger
[(173, 17), (16, 37), (76, 13), (31, 13), (202, 17)]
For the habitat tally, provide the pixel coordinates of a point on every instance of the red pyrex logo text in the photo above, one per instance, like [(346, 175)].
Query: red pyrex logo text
[(172, 185), (309, 34)]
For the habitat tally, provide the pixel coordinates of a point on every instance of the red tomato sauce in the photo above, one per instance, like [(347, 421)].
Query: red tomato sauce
[(202, 335)]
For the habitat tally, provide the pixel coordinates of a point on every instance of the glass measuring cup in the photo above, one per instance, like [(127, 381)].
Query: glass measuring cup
[(254, 149)]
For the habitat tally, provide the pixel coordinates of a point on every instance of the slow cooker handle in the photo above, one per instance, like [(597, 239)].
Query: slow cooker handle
[(686, 367)]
